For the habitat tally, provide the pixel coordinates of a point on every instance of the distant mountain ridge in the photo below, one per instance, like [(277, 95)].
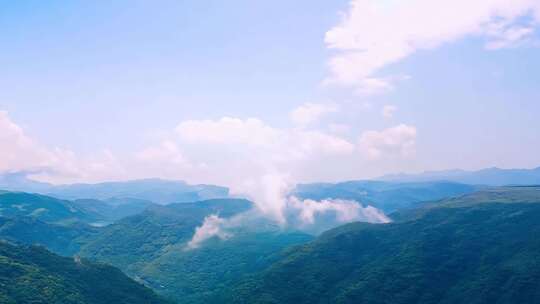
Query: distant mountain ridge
[(387, 196), (154, 190), (490, 176)]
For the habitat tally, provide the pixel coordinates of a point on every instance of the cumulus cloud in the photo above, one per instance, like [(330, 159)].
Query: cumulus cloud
[(388, 111), (268, 192), (260, 161), (374, 34), (56, 165), (210, 151), (310, 113), (395, 141), (20, 152), (254, 135)]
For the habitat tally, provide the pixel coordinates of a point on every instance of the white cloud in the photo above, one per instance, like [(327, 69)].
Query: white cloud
[(228, 130), (396, 141), (310, 113), (388, 111), (267, 142), (253, 158), (213, 226), (303, 214), (18, 151), (67, 167), (268, 192), (376, 33), (167, 151), (345, 210), (511, 37), (339, 128), (260, 161)]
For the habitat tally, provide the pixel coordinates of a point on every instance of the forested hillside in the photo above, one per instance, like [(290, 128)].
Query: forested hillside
[(482, 248), (35, 275)]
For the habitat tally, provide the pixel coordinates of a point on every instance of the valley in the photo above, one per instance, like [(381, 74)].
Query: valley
[(441, 233)]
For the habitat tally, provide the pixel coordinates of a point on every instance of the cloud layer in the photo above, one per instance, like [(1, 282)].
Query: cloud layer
[(396, 141)]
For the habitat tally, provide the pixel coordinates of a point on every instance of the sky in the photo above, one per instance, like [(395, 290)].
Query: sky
[(255, 93)]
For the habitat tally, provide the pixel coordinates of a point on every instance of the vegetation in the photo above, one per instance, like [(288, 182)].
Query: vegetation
[(202, 275), (480, 247), (468, 250), (134, 241), (151, 247), (35, 275), (61, 239), (44, 208)]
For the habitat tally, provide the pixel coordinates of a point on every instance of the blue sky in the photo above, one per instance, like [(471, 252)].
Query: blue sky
[(104, 82), (154, 65)]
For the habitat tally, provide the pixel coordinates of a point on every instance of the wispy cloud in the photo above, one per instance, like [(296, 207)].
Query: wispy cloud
[(374, 34), (395, 141)]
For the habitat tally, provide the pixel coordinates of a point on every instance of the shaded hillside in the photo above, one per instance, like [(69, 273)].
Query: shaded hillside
[(35, 275), (202, 275), (61, 239), (481, 251), (152, 247), (136, 240)]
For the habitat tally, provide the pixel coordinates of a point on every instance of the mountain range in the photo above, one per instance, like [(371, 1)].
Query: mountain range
[(448, 242), (478, 248), (154, 190), (490, 176)]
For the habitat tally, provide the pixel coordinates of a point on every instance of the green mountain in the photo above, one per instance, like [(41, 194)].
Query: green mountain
[(44, 208), (152, 247), (61, 239), (204, 274), (139, 239), (35, 275), (387, 196), (493, 195), (482, 248)]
